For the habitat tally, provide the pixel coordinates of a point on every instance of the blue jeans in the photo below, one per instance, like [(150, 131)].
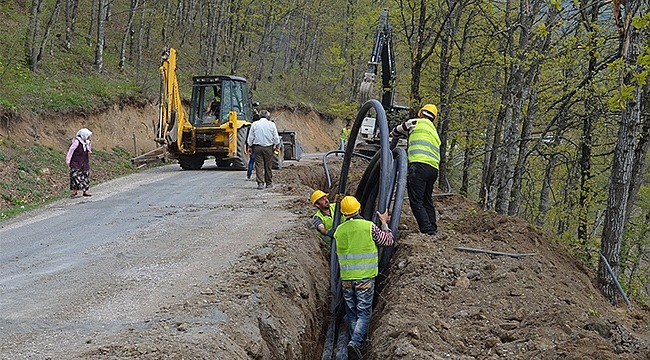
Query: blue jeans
[(358, 300), (342, 144), (251, 164)]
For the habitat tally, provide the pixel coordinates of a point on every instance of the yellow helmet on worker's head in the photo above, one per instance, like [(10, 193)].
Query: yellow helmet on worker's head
[(316, 195), (349, 205), (429, 111)]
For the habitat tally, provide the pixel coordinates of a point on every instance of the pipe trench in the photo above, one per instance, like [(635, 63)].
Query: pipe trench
[(382, 187)]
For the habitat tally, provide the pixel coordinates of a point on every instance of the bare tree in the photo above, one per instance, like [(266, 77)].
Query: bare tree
[(416, 18), (70, 21), (102, 10), (33, 34), (91, 25), (128, 32), (35, 42)]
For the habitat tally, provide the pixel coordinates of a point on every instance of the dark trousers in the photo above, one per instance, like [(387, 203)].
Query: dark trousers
[(421, 178), (263, 164), (251, 164)]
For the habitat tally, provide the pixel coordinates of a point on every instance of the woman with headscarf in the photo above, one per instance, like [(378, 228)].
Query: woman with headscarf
[(77, 160)]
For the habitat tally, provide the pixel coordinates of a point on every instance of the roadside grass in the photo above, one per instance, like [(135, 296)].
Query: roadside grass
[(37, 175)]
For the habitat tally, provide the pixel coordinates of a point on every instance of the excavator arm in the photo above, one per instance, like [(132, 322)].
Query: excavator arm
[(382, 53), (171, 118)]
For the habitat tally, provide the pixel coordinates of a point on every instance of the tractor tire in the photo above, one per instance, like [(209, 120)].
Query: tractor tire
[(191, 162), (240, 162)]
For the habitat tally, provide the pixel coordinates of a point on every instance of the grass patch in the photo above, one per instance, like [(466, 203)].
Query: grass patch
[(37, 175)]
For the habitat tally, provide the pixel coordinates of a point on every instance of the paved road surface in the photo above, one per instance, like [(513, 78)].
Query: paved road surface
[(112, 261)]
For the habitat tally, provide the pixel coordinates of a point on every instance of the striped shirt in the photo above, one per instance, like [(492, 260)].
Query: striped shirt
[(379, 236), (405, 128), (382, 237)]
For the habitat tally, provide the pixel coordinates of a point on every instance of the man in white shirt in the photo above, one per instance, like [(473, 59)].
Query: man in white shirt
[(263, 139)]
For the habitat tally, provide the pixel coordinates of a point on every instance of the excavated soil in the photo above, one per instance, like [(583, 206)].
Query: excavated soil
[(438, 302), (442, 302)]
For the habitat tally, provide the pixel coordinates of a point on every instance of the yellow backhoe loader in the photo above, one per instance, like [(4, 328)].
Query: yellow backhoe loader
[(220, 114)]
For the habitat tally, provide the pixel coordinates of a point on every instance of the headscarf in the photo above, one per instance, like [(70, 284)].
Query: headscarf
[(83, 136)]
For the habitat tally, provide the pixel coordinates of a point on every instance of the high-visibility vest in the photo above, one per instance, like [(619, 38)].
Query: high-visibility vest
[(345, 134), (328, 221), (357, 252), (424, 144)]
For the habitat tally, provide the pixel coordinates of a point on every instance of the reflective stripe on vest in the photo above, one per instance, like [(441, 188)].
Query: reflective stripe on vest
[(357, 252), (424, 144), (328, 222)]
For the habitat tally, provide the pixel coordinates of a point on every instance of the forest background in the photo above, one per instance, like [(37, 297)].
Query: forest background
[(544, 105)]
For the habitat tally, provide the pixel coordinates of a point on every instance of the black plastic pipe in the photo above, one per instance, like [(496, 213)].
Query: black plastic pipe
[(383, 180)]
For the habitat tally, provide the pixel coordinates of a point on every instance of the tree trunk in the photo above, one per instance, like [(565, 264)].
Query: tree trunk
[(48, 29), (522, 157), (33, 34), (443, 107), (492, 140), (141, 32), (70, 22), (640, 153), (91, 26), (586, 143), (127, 33), (467, 163), (544, 204), (505, 164), (101, 34), (623, 162)]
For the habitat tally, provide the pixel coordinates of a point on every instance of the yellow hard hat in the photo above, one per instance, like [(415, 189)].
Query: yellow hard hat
[(430, 109), (349, 205), (316, 195)]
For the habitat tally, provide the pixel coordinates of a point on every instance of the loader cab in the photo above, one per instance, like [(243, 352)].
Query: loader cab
[(213, 97)]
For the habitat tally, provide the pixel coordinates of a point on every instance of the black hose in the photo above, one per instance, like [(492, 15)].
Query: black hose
[(328, 177), (384, 179)]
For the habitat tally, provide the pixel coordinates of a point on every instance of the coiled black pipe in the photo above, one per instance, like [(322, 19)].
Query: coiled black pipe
[(384, 179)]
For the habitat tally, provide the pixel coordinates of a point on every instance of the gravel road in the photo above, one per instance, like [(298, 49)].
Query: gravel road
[(92, 267)]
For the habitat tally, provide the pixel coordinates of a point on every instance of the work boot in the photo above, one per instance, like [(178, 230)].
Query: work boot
[(354, 352), (260, 186)]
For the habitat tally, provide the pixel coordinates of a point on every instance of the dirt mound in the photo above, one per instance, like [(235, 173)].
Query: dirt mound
[(441, 302), (314, 132)]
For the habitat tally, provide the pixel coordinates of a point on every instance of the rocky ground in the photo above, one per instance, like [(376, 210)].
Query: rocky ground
[(438, 302)]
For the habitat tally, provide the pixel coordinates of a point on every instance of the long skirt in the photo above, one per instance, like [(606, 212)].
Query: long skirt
[(79, 179)]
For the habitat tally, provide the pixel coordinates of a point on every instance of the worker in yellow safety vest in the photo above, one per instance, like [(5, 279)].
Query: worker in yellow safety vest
[(344, 136), (323, 219), (423, 161), (356, 247)]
